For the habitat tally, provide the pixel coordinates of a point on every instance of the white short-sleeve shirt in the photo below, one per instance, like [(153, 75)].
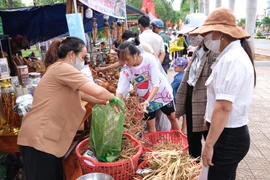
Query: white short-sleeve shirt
[(154, 40), (232, 79)]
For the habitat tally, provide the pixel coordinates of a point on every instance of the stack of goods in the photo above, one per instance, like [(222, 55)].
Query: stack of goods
[(165, 140), (134, 123), (10, 121), (33, 64), (25, 89), (101, 59), (169, 165), (107, 79), (166, 157), (27, 81), (16, 98)]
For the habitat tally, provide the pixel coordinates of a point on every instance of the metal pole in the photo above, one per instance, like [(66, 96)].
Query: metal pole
[(75, 6), (126, 13)]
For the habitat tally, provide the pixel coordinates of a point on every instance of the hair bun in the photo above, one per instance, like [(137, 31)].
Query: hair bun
[(137, 41)]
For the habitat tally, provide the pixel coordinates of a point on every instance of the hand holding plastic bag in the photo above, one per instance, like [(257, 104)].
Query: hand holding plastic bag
[(106, 129)]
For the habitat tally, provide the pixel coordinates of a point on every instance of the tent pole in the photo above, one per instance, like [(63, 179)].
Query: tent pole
[(126, 14), (75, 5)]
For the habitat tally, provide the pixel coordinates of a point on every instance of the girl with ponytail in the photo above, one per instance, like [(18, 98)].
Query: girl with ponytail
[(141, 70)]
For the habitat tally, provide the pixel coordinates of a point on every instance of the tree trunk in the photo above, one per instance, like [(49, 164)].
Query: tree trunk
[(218, 3), (232, 5), (251, 11), (191, 6), (10, 4), (206, 7), (201, 6)]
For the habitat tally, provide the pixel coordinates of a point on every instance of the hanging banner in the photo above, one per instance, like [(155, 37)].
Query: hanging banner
[(75, 26), (114, 8)]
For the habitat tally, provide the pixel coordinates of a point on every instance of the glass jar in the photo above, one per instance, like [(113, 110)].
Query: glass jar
[(23, 76), (34, 77)]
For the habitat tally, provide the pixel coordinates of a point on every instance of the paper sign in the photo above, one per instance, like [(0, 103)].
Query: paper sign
[(75, 26), (4, 69), (114, 8)]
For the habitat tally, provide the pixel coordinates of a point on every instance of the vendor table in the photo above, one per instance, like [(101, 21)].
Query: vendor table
[(8, 142)]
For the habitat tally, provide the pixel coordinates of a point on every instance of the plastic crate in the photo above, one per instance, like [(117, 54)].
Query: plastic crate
[(174, 137), (120, 170)]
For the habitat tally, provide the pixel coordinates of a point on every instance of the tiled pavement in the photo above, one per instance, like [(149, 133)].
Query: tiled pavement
[(256, 164)]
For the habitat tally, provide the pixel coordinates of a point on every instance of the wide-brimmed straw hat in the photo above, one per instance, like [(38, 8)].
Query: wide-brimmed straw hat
[(222, 20)]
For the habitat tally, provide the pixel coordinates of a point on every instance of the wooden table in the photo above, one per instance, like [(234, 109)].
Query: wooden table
[(8, 142)]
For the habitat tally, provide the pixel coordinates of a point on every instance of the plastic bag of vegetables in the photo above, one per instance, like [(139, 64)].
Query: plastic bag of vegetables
[(106, 130)]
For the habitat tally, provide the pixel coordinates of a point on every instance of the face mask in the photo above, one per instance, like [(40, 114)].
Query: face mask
[(195, 40), (212, 45), (79, 64)]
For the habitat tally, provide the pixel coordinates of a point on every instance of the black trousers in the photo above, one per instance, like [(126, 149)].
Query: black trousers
[(166, 67), (39, 165), (230, 148), (194, 138)]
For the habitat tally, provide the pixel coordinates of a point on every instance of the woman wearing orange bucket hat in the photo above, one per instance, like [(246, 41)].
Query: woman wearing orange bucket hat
[(229, 94)]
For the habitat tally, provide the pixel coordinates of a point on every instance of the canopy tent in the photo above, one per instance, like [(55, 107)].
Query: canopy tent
[(133, 10), (42, 23)]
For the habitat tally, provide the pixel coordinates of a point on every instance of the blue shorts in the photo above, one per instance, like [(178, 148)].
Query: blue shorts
[(167, 109)]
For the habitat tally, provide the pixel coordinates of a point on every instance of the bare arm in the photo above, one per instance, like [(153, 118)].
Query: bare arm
[(161, 57), (96, 91), (219, 119), (91, 99), (112, 66), (119, 95)]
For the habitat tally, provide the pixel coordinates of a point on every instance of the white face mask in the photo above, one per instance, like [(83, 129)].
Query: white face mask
[(213, 45), (79, 64)]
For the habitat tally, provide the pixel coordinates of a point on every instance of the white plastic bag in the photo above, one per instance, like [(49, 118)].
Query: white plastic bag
[(204, 173), (162, 122)]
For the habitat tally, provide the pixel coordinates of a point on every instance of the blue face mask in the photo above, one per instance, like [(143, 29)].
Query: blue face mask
[(79, 64)]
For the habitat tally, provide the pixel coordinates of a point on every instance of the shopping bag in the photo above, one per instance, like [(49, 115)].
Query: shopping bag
[(106, 130), (204, 173)]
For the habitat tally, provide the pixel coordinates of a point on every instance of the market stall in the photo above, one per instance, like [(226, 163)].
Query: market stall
[(117, 143)]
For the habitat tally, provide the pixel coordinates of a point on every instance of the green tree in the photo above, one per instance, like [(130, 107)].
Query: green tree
[(185, 8), (8, 4), (241, 22), (266, 21), (164, 9), (258, 23), (46, 2), (135, 3)]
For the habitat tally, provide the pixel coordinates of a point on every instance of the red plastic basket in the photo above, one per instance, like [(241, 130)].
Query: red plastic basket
[(174, 137), (120, 170)]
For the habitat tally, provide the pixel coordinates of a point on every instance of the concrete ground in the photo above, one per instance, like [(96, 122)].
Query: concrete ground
[(256, 164)]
